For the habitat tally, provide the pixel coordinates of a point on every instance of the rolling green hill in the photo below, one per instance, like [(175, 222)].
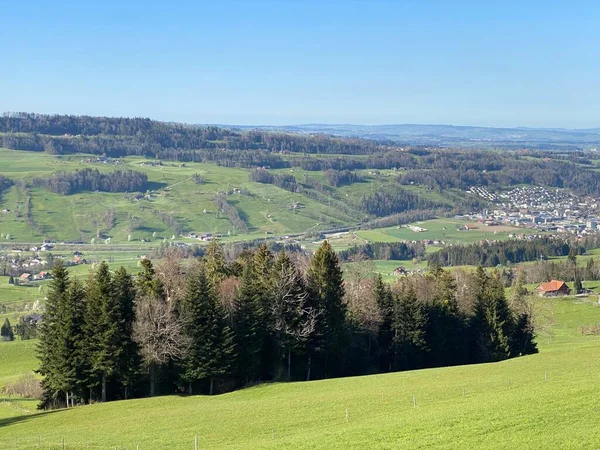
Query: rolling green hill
[(548, 400)]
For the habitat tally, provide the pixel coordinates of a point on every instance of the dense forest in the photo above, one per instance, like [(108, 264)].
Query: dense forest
[(437, 169), (93, 180), (383, 251), (211, 326), (492, 254)]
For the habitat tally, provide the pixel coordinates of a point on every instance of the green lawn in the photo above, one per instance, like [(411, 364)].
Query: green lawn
[(548, 400)]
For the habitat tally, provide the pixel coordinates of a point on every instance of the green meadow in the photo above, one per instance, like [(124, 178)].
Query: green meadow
[(547, 400)]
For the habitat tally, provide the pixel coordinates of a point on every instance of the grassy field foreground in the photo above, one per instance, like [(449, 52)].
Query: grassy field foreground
[(548, 400)]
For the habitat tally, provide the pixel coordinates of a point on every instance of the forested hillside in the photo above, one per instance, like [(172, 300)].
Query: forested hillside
[(139, 179)]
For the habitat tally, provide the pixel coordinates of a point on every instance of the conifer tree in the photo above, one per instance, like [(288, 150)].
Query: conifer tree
[(6, 331), (147, 283), (248, 327), (262, 271), (129, 358), (52, 363), (210, 342), (326, 289), (409, 325), (102, 328), (492, 322), (385, 302), (445, 331), (72, 313), (216, 264)]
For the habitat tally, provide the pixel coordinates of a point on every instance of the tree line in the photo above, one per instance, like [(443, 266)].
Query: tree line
[(396, 251), (492, 254), (93, 180), (211, 325)]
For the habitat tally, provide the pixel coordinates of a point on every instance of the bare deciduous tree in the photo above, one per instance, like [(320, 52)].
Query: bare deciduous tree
[(159, 333), (171, 275), (293, 320)]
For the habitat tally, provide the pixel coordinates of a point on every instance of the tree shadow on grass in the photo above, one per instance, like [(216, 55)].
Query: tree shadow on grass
[(4, 422)]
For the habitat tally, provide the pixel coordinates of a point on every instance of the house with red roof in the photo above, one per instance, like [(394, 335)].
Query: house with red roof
[(554, 288)]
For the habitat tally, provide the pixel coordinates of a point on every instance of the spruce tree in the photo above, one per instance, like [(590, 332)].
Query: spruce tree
[(102, 328), (445, 331), (492, 323), (408, 342), (52, 363), (72, 321), (210, 342), (262, 270), (248, 327), (522, 340), (6, 331), (385, 302), (326, 289), (216, 264), (129, 358)]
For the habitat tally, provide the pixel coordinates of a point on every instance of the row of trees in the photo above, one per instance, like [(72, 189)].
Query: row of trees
[(396, 251), (210, 325), (491, 254), (93, 180)]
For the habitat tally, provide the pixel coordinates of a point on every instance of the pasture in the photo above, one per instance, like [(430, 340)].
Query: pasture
[(548, 400)]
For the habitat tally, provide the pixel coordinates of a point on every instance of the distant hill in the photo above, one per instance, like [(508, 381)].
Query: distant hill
[(458, 136)]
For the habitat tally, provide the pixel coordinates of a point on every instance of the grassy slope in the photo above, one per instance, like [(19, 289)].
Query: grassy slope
[(503, 405), (81, 215)]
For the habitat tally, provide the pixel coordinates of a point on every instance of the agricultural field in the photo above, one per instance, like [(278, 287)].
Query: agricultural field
[(174, 199), (446, 230), (548, 400)]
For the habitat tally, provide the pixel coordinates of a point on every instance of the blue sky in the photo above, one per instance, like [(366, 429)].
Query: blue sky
[(525, 63)]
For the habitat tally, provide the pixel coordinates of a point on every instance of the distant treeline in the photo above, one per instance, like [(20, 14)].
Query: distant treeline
[(388, 201), (214, 325), (93, 180), (464, 172), (65, 133), (437, 169), (399, 251), (491, 254)]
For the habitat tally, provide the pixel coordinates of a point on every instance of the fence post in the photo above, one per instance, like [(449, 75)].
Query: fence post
[(196, 442)]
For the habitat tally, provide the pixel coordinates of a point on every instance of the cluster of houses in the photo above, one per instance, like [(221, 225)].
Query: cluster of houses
[(553, 210), (27, 264), (103, 160)]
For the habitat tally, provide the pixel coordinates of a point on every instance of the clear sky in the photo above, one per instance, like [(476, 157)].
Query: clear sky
[(492, 63)]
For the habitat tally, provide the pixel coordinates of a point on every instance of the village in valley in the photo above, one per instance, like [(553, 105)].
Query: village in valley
[(539, 208)]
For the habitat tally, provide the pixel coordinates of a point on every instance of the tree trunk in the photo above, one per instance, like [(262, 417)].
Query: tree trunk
[(126, 392), (289, 368), (103, 387), (67, 395), (212, 384), (152, 380), (72, 400), (90, 395), (190, 388), (308, 371)]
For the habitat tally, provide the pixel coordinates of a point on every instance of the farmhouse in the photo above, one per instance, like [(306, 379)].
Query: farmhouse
[(26, 277), (553, 288), (400, 271)]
